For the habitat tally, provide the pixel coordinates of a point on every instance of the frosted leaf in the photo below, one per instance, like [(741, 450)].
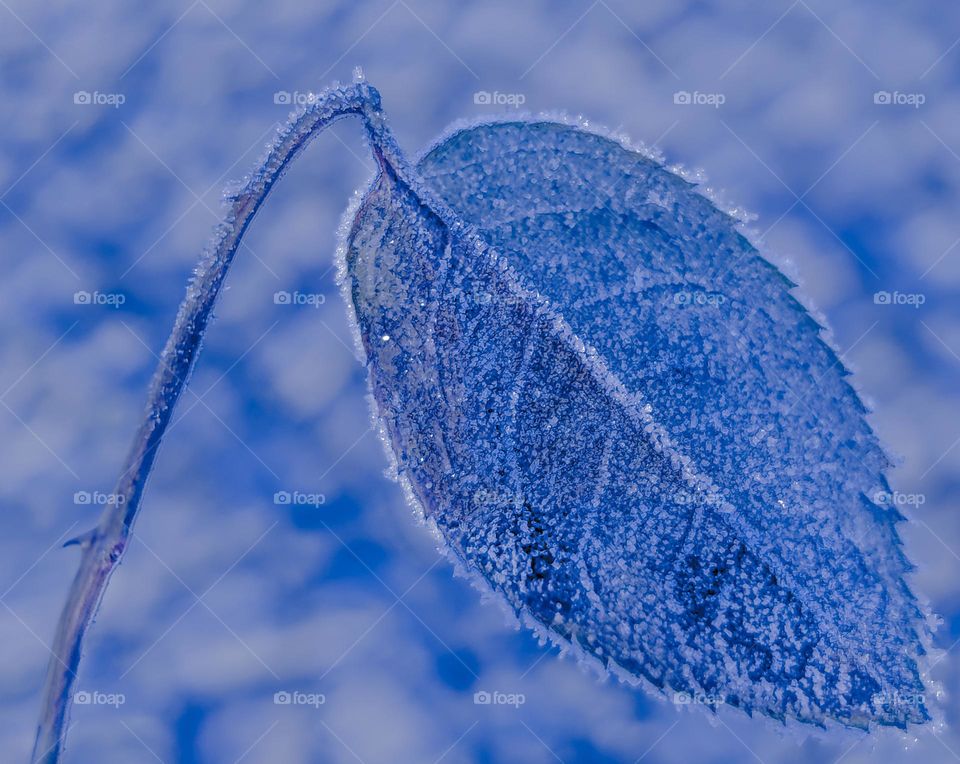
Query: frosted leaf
[(615, 414), (609, 407)]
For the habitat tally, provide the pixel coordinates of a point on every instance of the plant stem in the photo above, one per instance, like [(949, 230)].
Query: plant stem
[(102, 548)]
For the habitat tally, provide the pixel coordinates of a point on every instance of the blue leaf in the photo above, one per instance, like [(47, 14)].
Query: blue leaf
[(615, 415)]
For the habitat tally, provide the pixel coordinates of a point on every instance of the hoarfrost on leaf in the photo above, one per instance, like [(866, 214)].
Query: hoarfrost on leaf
[(609, 407), (629, 428)]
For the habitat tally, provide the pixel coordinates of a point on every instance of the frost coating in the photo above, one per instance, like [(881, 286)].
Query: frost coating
[(102, 547), (656, 459), (590, 457)]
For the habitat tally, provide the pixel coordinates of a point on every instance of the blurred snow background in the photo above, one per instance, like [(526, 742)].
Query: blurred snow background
[(837, 127)]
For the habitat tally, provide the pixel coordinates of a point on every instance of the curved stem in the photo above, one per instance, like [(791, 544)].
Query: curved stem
[(103, 547)]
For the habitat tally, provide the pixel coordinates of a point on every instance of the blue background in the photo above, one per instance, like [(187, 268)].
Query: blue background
[(227, 597)]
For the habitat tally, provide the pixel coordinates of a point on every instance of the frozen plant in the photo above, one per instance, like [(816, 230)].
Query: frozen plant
[(610, 409)]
